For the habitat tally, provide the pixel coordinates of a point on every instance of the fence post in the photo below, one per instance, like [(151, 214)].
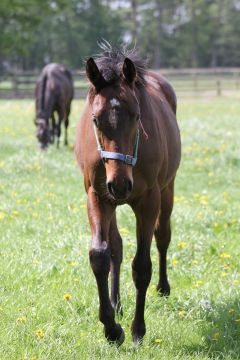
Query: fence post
[(15, 85), (219, 90), (237, 80)]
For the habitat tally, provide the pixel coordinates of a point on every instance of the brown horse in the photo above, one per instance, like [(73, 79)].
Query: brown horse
[(128, 147), (54, 93)]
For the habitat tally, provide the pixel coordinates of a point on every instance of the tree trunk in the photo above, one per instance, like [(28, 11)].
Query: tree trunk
[(157, 50)]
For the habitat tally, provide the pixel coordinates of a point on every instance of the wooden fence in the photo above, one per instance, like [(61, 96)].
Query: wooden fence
[(188, 82)]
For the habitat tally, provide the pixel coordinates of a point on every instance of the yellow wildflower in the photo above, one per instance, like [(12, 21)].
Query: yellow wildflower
[(2, 164), (2, 215), (124, 231), (225, 255), (198, 283), (15, 213), (224, 274), (182, 245), (40, 333), (181, 313), (21, 319), (67, 297), (174, 262), (158, 341)]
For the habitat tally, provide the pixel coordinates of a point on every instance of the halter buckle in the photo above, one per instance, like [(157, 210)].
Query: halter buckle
[(128, 159)]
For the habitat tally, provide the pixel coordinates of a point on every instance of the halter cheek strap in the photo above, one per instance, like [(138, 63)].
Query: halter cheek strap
[(127, 159)]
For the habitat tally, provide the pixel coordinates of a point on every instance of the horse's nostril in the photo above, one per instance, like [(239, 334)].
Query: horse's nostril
[(110, 188), (129, 186)]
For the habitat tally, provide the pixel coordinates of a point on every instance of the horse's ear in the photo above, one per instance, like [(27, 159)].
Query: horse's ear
[(94, 75), (129, 71)]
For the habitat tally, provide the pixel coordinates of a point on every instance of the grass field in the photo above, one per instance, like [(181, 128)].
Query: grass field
[(48, 296)]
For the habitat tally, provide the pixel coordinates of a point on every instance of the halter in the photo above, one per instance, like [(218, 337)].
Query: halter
[(127, 159)]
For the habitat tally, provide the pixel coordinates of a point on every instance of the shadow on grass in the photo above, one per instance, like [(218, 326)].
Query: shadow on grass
[(220, 332)]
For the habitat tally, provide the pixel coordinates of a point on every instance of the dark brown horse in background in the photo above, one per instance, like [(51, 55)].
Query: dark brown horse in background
[(54, 93), (128, 147)]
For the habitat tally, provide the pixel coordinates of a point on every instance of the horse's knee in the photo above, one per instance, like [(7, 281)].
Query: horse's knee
[(100, 261), (163, 235), (141, 272)]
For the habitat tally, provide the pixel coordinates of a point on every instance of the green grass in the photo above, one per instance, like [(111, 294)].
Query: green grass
[(44, 241)]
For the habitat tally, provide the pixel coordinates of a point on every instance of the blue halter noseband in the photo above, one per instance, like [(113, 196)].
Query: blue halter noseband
[(127, 159)]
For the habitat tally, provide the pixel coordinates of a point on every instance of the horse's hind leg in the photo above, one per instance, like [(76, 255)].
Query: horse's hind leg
[(66, 123), (163, 237), (58, 128), (53, 129), (115, 241)]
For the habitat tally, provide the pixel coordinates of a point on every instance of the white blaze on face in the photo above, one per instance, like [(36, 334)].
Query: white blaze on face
[(114, 102)]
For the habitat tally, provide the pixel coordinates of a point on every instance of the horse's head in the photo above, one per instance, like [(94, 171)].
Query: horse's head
[(43, 133), (115, 120)]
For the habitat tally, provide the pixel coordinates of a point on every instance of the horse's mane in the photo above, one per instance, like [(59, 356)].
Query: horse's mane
[(110, 62)]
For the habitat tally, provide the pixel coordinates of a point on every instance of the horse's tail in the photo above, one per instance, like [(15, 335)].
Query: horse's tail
[(42, 92)]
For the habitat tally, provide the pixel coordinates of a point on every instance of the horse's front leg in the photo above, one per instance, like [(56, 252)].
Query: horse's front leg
[(146, 212), (100, 215)]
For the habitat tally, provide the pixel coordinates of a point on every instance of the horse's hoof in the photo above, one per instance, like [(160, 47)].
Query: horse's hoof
[(138, 332), (115, 335), (137, 339), (163, 290)]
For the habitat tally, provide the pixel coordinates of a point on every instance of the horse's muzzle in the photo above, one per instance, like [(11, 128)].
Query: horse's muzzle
[(120, 192)]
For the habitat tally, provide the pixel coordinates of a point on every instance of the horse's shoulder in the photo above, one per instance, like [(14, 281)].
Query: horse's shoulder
[(160, 83)]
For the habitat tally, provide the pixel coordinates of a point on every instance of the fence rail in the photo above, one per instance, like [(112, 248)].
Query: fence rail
[(192, 82)]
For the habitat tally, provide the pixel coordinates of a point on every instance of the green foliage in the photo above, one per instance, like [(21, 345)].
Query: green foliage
[(170, 33), (48, 295)]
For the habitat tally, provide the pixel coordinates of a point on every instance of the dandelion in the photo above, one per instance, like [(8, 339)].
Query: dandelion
[(179, 199), (158, 341), (204, 200), (124, 231), (225, 255), (21, 319), (67, 297), (194, 262), (174, 262), (224, 274), (182, 245), (198, 284), (182, 313), (2, 215), (40, 333), (73, 263), (15, 213)]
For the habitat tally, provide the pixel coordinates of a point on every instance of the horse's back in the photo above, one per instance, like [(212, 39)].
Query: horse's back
[(59, 80), (165, 131)]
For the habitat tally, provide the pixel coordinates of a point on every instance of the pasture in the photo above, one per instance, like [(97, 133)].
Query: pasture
[(48, 295)]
